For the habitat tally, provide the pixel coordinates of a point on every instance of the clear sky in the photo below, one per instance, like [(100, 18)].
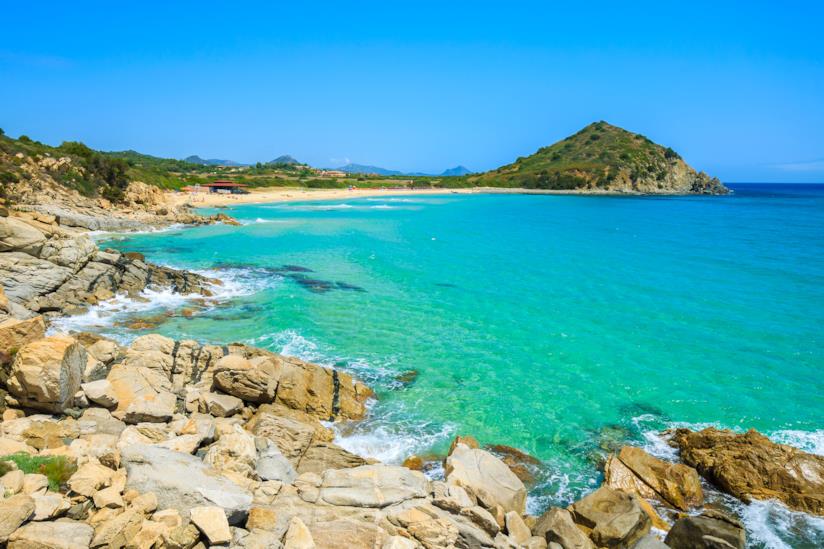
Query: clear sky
[(736, 87)]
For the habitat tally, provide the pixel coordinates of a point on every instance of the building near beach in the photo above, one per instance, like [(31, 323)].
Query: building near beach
[(225, 186)]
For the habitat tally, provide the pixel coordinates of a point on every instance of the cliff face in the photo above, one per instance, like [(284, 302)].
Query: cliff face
[(602, 157)]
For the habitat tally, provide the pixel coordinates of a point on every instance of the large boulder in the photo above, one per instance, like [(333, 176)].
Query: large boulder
[(16, 235), (486, 477), (292, 437), (235, 375), (182, 482), (710, 530), (615, 518), (751, 466), (72, 252), (15, 333), (371, 486), (46, 373), (634, 470), (557, 526)]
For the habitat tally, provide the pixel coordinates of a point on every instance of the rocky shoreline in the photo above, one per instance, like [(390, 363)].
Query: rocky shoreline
[(177, 444)]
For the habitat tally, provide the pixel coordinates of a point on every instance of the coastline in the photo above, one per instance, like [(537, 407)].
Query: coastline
[(209, 394), (297, 194)]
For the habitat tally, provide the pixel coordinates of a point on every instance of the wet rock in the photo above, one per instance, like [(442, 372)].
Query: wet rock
[(46, 373), (519, 462), (413, 462), (751, 466), (487, 477), (711, 529), (633, 470)]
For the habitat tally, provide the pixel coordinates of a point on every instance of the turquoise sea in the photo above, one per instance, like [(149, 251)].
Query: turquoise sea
[(561, 325)]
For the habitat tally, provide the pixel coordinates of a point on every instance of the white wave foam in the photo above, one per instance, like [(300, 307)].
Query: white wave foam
[(771, 524), (120, 235), (809, 441), (103, 316), (292, 343), (259, 220), (768, 523), (393, 442)]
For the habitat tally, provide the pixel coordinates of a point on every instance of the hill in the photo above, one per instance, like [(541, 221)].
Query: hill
[(194, 159), (602, 157), (284, 160), (360, 168), (456, 171)]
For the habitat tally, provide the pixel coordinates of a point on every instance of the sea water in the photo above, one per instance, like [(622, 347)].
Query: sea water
[(561, 325)]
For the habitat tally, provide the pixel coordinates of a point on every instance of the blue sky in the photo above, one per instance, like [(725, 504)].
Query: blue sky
[(736, 88)]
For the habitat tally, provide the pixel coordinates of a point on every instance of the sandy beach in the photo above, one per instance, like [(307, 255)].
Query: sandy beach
[(289, 194)]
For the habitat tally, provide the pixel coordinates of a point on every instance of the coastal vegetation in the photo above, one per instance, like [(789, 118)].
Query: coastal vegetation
[(599, 158)]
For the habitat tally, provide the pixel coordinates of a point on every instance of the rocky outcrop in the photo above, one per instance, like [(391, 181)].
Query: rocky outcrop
[(634, 470), (751, 466), (160, 456), (45, 269)]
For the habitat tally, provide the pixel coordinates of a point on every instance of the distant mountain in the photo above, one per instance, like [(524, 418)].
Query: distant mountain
[(195, 159), (360, 168), (603, 157), (457, 170), (284, 159)]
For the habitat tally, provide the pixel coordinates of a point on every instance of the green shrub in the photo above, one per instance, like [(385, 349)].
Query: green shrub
[(58, 469)]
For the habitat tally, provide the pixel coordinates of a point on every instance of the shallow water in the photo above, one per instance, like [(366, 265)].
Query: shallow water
[(561, 325)]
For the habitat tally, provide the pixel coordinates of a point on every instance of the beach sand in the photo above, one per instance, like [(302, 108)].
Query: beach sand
[(286, 194), (290, 194)]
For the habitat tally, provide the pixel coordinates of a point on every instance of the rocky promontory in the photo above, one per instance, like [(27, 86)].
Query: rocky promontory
[(47, 269)]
